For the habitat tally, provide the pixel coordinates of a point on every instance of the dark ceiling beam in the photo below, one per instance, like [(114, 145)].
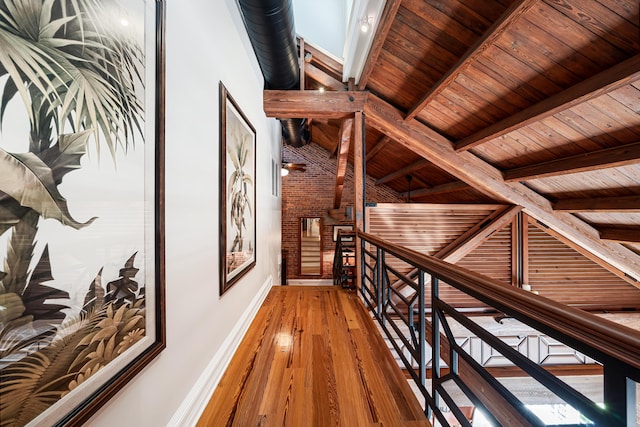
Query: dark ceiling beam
[(623, 235), (343, 154), (384, 25), (477, 49), (290, 104), (607, 81), (600, 159), (599, 204), (488, 180), (450, 187), (382, 142), (402, 172)]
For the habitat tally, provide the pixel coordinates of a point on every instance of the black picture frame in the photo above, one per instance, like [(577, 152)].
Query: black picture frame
[(74, 395), (237, 192)]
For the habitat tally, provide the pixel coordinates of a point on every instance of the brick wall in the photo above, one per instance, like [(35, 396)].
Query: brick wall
[(310, 194)]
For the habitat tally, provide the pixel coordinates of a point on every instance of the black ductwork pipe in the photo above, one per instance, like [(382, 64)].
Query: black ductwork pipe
[(271, 30)]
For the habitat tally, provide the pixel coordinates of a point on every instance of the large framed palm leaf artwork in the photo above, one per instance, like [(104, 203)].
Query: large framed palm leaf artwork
[(237, 192), (81, 203)]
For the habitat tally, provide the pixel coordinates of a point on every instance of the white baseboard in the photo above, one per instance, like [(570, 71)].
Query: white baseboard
[(310, 282), (194, 404)]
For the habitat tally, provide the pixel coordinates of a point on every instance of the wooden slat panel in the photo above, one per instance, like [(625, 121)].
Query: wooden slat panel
[(425, 228), (429, 228), (558, 272), (493, 257)]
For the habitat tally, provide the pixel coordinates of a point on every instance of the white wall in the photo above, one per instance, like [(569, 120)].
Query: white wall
[(206, 43)]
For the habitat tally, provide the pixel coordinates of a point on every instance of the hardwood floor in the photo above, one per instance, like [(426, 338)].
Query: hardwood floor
[(313, 357)]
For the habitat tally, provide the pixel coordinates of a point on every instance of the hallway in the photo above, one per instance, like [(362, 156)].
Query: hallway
[(313, 357)]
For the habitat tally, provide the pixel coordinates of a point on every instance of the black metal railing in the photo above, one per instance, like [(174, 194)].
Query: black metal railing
[(418, 324), (344, 260)]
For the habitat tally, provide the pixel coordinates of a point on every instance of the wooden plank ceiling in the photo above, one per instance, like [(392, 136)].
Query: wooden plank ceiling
[(530, 102)]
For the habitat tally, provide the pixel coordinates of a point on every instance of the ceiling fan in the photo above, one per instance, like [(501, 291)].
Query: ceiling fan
[(289, 167)]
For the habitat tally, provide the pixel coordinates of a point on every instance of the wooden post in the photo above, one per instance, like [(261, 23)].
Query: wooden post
[(358, 200), (301, 63)]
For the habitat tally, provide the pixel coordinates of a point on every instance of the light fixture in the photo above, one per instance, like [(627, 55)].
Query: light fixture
[(284, 171), (365, 25), (321, 89)]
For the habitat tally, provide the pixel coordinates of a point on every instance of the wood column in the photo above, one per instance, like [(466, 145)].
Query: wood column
[(359, 175)]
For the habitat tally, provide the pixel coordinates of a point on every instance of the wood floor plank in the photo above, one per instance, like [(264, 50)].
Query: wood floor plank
[(313, 357)]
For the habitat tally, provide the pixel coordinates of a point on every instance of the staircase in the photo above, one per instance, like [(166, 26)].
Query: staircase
[(310, 255), (344, 261)]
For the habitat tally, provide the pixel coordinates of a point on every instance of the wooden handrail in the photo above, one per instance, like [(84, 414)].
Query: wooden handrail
[(604, 336)]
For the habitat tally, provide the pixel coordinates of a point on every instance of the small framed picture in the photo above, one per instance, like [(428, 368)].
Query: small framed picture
[(336, 230)]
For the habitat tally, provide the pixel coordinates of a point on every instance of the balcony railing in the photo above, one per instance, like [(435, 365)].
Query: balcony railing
[(418, 323)]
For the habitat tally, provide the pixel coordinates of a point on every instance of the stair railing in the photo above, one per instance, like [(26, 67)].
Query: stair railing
[(428, 318), (344, 259)]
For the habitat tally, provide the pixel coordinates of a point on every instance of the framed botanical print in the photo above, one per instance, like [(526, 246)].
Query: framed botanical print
[(237, 192), (81, 203)]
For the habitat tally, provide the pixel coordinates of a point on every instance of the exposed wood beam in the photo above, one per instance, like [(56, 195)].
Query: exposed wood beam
[(343, 154), (607, 81), (290, 104), (402, 172), (323, 78), (340, 215), (601, 159), (519, 253), (488, 180), (599, 204), (336, 148), (301, 62), (477, 235), (419, 181), (625, 235), (465, 166), (449, 187), (384, 25), (488, 39), (382, 142), (320, 57), (359, 178)]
